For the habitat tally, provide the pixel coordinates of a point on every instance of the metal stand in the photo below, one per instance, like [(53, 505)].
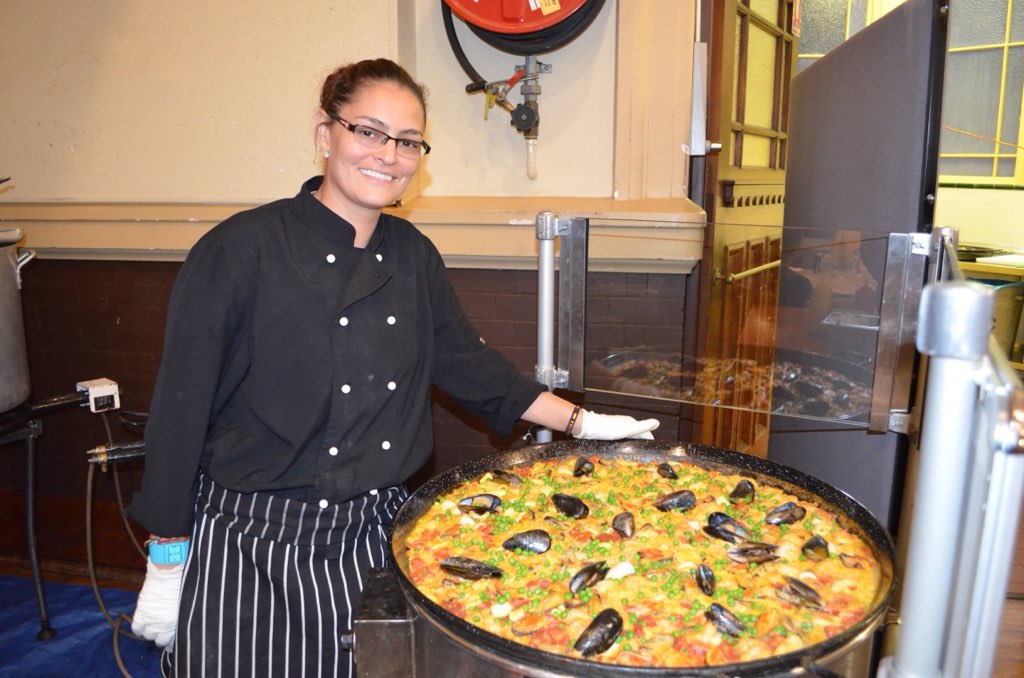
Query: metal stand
[(29, 432), (572, 294), (100, 395), (968, 494)]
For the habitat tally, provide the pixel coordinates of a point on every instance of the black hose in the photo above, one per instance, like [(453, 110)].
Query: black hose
[(477, 82), (116, 624), (117, 490), (91, 559)]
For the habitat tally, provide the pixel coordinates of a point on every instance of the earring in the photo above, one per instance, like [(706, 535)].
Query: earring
[(327, 153)]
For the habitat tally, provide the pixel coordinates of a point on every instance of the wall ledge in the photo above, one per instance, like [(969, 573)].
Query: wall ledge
[(652, 235)]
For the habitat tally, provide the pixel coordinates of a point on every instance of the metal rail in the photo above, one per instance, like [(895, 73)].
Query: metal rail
[(733, 277)]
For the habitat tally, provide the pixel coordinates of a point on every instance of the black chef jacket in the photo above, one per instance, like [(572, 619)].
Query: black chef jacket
[(298, 364)]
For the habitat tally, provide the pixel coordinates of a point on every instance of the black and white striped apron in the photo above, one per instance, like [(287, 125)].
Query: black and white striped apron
[(271, 584)]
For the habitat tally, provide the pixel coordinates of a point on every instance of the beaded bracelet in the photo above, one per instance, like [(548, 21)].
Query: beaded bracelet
[(572, 420)]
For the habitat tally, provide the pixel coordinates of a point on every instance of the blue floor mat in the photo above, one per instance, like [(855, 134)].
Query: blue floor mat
[(83, 645)]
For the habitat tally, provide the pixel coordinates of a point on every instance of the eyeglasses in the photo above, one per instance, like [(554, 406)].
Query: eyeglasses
[(374, 138)]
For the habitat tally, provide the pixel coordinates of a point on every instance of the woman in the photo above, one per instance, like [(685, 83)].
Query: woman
[(293, 400)]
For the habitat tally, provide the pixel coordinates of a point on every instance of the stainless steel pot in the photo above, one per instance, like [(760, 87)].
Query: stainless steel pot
[(14, 378), (443, 644)]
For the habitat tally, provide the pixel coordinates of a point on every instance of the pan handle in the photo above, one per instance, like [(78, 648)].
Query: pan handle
[(23, 258)]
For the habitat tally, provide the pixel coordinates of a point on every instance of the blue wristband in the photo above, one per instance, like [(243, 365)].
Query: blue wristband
[(168, 552)]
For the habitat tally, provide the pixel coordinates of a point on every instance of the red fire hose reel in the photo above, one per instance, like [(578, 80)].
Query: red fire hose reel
[(514, 16), (525, 27)]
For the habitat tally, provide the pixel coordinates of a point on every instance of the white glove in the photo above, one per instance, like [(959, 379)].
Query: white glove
[(594, 426), (156, 614)]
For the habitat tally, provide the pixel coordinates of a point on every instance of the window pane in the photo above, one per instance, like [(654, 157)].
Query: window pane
[(976, 22), (760, 78), (970, 101), (767, 10), (1005, 168), (736, 70), (823, 25), (858, 15), (1017, 23), (965, 167), (756, 150), (1011, 105)]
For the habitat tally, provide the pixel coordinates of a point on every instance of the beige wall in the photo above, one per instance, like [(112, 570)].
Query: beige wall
[(113, 100), (120, 101), (130, 128)]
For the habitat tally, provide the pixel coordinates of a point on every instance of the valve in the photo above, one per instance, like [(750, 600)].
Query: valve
[(524, 117)]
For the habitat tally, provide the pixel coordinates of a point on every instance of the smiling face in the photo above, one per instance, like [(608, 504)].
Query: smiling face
[(359, 181)]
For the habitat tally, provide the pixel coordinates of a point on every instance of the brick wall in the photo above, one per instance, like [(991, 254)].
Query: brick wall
[(86, 319)]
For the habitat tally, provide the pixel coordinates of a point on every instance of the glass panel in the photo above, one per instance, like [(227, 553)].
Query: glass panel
[(977, 22), (793, 326), (767, 10), (1017, 23), (804, 62), (760, 91), (823, 25), (756, 150), (970, 101), (1005, 168)]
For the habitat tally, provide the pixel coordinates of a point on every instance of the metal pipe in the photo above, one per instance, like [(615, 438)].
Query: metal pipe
[(531, 158), (35, 429), (545, 306), (953, 331)]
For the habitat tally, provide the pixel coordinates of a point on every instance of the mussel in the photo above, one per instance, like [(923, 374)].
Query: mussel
[(850, 560), (600, 634), (507, 477), (752, 552), (480, 504), (584, 467), (808, 389), (570, 505), (786, 514), (534, 541), (721, 526), (680, 500), (665, 470), (815, 548), (743, 492), (467, 568), (725, 621), (723, 533), (624, 524), (705, 578), (588, 576), (796, 592), (781, 395)]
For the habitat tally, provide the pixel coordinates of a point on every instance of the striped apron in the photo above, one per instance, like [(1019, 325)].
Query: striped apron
[(271, 584)]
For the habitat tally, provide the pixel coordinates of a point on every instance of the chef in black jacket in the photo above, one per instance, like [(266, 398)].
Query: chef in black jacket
[(293, 400)]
